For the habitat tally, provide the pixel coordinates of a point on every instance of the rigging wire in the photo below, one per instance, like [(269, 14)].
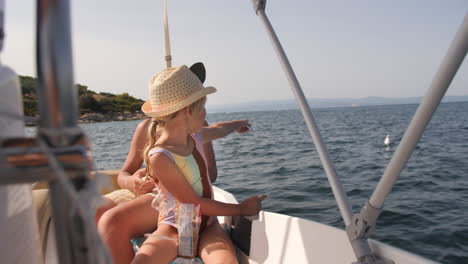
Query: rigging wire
[(166, 35)]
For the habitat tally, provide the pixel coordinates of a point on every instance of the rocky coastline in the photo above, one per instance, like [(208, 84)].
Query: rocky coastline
[(108, 117), (95, 117)]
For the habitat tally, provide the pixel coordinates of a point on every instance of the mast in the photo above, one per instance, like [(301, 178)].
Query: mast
[(62, 141), (168, 56)]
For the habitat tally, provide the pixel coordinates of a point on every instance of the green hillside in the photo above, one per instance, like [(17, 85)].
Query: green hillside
[(89, 101)]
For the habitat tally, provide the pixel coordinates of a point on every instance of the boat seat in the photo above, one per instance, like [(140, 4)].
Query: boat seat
[(44, 217)]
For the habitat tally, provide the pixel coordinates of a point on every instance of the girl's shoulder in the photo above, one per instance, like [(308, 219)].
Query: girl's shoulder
[(162, 151), (176, 152)]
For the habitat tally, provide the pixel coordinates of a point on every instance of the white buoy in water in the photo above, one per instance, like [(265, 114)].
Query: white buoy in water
[(387, 140)]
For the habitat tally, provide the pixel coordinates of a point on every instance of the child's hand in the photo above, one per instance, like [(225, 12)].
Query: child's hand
[(141, 183), (252, 205), (244, 126)]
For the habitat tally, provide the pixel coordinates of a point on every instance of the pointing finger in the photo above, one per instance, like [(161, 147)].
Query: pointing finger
[(262, 197)]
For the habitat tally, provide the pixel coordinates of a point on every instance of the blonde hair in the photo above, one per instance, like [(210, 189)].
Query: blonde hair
[(153, 134)]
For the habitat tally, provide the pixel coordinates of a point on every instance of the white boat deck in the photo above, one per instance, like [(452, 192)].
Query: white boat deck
[(278, 238)]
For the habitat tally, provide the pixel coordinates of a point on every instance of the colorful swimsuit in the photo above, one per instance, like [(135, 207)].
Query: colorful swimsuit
[(193, 167), (124, 195)]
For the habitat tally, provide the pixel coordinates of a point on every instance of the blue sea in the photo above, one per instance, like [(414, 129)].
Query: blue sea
[(427, 211)]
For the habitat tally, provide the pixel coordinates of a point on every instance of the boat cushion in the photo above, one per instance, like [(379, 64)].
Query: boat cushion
[(41, 202)]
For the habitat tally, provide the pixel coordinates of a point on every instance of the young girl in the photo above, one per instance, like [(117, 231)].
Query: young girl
[(177, 103), (115, 227)]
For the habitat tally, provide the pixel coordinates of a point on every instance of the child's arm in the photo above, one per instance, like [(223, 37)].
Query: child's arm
[(175, 183), (223, 129)]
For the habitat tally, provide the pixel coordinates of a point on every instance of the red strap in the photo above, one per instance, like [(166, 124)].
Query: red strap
[(206, 185)]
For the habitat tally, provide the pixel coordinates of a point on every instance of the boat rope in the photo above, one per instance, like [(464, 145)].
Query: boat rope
[(82, 205), (33, 160), (166, 35), (61, 177)]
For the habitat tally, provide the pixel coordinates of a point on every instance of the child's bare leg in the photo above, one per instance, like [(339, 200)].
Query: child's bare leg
[(109, 204), (215, 246), (161, 248), (121, 223)]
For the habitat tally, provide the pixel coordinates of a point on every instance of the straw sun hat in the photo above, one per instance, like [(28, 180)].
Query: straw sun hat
[(175, 88)]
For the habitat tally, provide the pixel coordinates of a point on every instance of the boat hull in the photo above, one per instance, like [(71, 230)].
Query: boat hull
[(280, 238), (277, 238)]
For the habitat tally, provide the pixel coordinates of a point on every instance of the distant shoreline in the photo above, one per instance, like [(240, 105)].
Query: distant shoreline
[(317, 103), (128, 116), (95, 118)]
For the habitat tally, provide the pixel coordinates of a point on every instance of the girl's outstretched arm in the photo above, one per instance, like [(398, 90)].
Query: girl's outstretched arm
[(223, 129), (174, 181)]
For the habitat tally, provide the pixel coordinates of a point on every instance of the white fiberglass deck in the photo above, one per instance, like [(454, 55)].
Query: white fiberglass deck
[(278, 238)]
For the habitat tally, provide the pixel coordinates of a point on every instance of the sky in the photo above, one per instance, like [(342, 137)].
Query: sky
[(347, 48)]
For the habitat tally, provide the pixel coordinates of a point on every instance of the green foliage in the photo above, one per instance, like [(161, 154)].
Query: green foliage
[(120, 103), (30, 106), (126, 102), (89, 101), (28, 84), (108, 105), (89, 104), (81, 89), (28, 89), (107, 94), (135, 107)]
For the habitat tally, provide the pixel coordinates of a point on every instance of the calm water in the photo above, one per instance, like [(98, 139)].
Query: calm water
[(427, 211)]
